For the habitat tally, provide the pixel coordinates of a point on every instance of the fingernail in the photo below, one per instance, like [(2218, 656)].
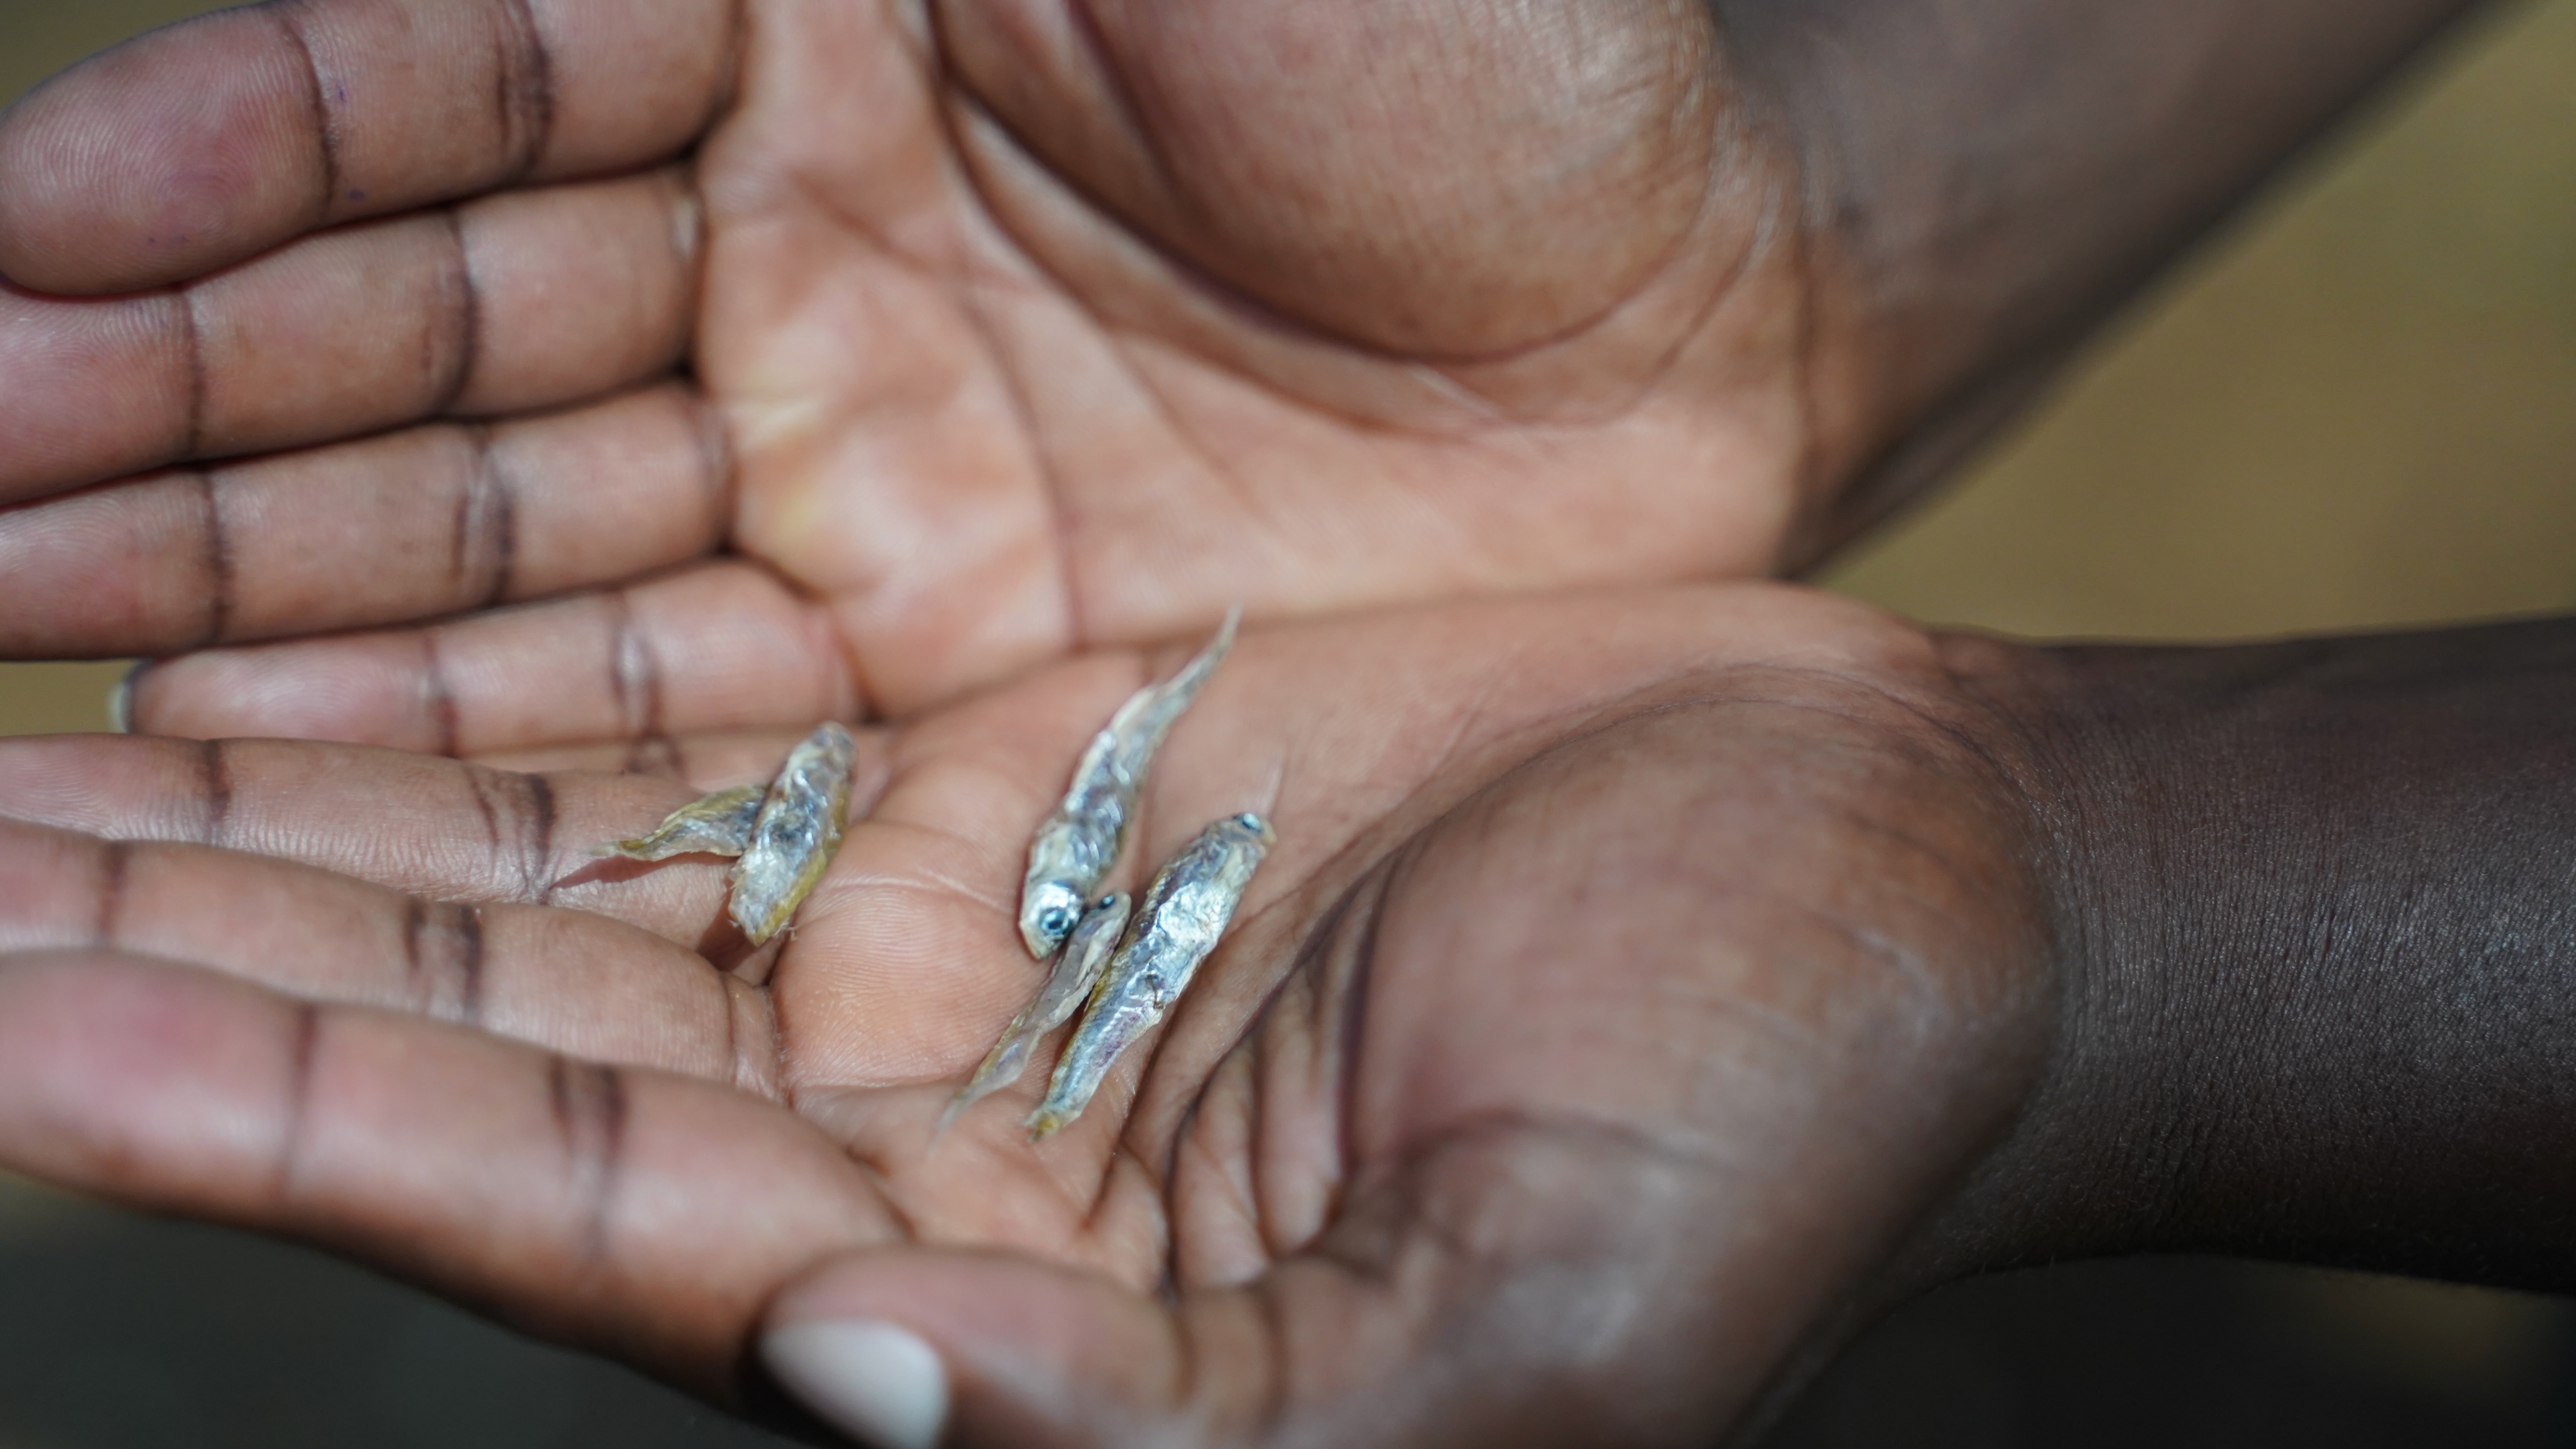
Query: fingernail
[(873, 1380), (120, 700)]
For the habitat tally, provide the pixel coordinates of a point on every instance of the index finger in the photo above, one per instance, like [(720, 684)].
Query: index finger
[(212, 140)]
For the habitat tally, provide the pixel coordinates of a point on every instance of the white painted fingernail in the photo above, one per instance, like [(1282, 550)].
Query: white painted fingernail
[(874, 1380)]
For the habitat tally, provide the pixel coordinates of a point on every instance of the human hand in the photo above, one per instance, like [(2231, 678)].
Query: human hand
[(985, 331), (982, 333), (1633, 977)]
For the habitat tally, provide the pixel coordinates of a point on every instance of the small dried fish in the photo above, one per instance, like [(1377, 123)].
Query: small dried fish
[(717, 824), (1184, 913), (1079, 842), (785, 832), (1077, 970), (796, 833)]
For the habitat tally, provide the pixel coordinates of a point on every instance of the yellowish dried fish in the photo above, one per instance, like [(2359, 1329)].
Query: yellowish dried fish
[(1183, 915), (1077, 970), (796, 834), (1079, 843), (717, 824)]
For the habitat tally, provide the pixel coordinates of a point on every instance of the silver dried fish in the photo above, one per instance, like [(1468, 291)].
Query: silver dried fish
[(785, 832), (796, 833), (1074, 850), (1184, 913), (717, 824), (1077, 970)]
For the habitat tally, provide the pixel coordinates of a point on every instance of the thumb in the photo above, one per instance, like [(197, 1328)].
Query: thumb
[(1507, 1292)]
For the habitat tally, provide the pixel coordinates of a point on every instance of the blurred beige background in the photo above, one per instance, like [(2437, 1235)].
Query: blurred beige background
[(2356, 408)]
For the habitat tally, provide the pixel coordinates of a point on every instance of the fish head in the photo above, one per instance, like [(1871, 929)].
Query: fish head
[(1048, 911)]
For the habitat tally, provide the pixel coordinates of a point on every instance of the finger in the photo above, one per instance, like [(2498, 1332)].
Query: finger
[(705, 762), (518, 301), (431, 521), (419, 824), (1514, 1285), (208, 142), (713, 647), (644, 1214), (566, 980)]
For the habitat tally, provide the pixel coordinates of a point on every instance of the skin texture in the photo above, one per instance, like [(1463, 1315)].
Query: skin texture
[(1875, 977), (977, 333), (1646, 990), (1631, 975)]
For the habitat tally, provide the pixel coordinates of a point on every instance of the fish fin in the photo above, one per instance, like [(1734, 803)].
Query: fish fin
[(717, 824)]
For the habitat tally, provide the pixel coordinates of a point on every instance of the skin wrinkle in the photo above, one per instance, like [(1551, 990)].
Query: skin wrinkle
[(1185, 1358), (326, 124), (1122, 1151), (192, 347), (589, 1105), (1358, 980), (537, 837), (657, 755), (113, 858), (1654, 377), (437, 696), (220, 582), (1050, 479), (635, 672), (1191, 443), (730, 1009), (214, 791), (523, 97), (301, 1051), (1257, 1124), (453, 364), (481, 781), (449, 986), (719, 470), (688, 238), (1241, 302), (468, 929), (415, 921), (1122, 95), (1242, 1110), (483, 555), (1183, 274)]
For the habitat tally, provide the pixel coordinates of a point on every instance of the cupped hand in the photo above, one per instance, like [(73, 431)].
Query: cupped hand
[(811, 358), (1633, 976)]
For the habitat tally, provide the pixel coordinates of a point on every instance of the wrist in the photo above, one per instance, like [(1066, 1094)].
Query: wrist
[(2313, 934)]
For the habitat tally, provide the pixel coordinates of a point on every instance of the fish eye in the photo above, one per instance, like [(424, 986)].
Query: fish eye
[(1055, 920)]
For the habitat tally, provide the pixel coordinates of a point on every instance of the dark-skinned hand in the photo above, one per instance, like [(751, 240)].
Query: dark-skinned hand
[(980, 332), (1633, 976), (815, 359)]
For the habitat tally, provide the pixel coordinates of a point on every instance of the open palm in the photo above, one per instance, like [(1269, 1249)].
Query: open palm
[(1631, 974), (974, 333)]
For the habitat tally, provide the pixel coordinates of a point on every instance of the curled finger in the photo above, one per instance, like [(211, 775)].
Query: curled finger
[(413, 525), (599, 1205), (518, 301), (714, 646), (567, 980)]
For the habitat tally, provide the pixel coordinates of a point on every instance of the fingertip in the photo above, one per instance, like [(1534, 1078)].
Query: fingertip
[(876, 1381), (1023, 1352)]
